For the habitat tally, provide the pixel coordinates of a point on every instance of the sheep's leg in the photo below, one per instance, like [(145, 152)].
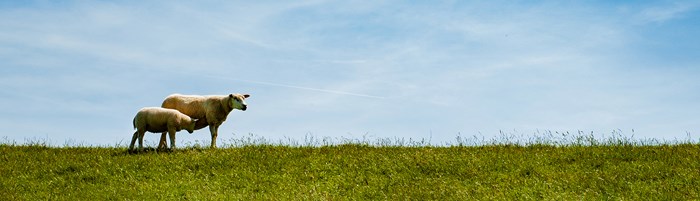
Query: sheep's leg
[(133, 140), (141, 134), (162, 144), (214, 129), (171, 132)]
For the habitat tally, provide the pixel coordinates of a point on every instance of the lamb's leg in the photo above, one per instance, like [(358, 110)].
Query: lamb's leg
[(133, 140), (171, 132), (162, 144), (214, 129)]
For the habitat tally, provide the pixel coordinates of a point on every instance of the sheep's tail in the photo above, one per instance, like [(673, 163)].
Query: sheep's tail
[(134, 122)]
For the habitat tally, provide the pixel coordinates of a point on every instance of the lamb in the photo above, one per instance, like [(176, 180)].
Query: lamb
[(156, 120), (210, 110)]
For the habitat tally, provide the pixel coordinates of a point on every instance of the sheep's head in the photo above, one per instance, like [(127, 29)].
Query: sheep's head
[(190, 127), (237, 101)]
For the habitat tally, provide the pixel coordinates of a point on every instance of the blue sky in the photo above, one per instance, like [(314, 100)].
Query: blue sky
[(77, 72)]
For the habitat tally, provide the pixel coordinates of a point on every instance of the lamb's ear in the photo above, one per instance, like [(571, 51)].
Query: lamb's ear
[(246, 95), (230, 95)]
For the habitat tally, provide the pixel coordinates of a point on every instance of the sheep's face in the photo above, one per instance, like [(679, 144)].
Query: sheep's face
[(190, 127), (238, 101)]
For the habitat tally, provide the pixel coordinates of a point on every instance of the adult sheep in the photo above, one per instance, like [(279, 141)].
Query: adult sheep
[(209, 110), (156, 120)]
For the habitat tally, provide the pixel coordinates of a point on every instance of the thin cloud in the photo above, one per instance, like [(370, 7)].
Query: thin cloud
[(664, 13)]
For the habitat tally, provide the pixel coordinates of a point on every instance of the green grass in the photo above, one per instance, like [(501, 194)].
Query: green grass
[(358, 171)]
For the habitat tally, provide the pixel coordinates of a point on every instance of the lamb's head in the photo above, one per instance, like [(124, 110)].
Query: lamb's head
[(237, 101), (190, 127)]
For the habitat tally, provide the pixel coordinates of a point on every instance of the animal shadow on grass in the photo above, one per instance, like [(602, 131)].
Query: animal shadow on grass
[(147, 150)]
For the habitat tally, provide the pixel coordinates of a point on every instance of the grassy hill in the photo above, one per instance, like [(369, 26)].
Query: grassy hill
[(353, 171)]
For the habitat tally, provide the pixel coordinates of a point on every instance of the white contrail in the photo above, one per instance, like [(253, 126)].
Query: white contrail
[(299, 87), (309, 88)]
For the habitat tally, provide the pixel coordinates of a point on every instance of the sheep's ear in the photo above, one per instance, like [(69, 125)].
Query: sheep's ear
[(246, 95), (230, 95)]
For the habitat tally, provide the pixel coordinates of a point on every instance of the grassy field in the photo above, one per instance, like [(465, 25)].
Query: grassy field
[(353, 172)]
